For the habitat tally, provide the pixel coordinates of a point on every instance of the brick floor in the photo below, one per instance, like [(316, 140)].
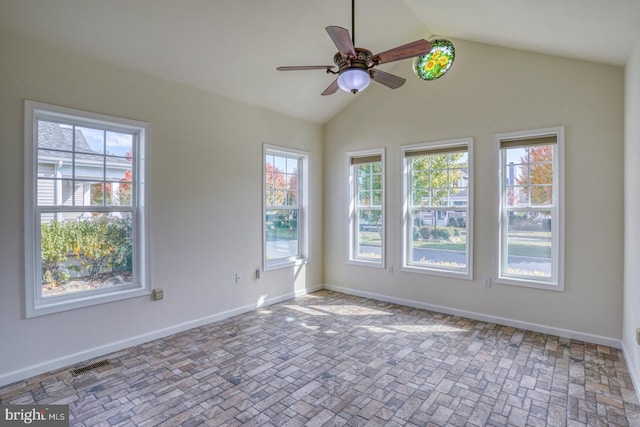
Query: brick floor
[(334, 359)]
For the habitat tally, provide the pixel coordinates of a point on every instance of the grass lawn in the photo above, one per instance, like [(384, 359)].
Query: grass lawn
[(445, 246), (532, 248), (370, 238)]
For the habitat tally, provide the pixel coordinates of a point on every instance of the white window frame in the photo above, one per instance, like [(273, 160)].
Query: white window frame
[(407, 220), (354, 209), (36, 305), (556, 282), (303, 206)]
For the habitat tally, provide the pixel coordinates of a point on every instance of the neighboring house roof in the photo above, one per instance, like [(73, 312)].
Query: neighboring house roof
[(55, 142)]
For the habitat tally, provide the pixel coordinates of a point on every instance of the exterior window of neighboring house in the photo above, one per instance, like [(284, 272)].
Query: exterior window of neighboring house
[(366, 216), (531, 218), (84, 207), (285, 207), (437, 194)]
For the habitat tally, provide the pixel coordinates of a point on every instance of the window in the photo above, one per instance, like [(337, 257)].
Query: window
[(84, 207), (366, 216), (437, 220), (530, 242), (285, 207)]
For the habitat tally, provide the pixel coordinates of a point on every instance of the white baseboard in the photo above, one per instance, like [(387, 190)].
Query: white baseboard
[(69, 360), (632, 373), (564, 333)]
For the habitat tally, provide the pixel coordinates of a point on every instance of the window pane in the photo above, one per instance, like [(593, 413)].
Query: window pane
[(377, 198), (280, 163), (364, 198), (279, 197), (542, 195), (119, 144), (439, 239), (529, 251), (281, 180), (54, 136), (73, 193), (89, 140), (55, 161), (369, 235), (47, 192), (281, 234), (517, 155), (517, 196), (118, 168), (367, 222), (292, 166), (83, 251), (100, 193), (541, 173)]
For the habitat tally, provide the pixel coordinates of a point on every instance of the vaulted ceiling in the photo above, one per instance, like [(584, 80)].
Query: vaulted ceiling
[(232, 47)]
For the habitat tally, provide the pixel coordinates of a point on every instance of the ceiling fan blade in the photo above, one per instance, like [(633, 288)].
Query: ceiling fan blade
[(389, 80), (304, 67), (409, 50), (342, 40), (333, 87)]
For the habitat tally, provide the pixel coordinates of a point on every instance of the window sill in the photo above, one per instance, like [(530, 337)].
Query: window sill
[(365, 263), (44, 307), (286, 264), (464, 275), (527, 283)]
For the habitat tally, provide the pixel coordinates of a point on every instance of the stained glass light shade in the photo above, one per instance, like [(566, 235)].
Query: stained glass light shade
[(437, 62)]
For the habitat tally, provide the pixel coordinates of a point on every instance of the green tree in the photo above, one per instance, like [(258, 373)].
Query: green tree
[(436, 177)]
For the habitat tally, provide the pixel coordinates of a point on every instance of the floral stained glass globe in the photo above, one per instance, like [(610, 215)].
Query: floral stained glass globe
[(437, 62)]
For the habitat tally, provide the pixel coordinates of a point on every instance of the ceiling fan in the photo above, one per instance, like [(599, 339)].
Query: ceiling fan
[(356, 66)]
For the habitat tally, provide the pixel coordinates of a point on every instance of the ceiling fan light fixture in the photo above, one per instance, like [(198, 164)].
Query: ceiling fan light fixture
[(354, 80)]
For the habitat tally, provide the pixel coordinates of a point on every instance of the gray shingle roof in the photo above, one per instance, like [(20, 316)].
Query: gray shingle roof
[(55, 140)]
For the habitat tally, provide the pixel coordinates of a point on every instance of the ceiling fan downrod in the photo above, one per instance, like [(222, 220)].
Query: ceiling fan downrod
[(353, 22)]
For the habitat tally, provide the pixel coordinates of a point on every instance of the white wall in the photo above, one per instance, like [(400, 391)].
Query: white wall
[(631, 319), (206, 154), (492, 90)]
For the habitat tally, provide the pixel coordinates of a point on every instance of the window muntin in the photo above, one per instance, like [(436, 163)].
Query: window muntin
[(366, 218), (437, 217), (85, 199), (530, 220), (284, 207)]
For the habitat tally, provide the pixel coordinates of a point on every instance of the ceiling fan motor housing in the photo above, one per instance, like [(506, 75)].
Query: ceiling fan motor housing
[(363, 59)]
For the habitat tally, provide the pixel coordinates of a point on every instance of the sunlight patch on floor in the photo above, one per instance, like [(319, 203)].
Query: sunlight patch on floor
[(305, 310), (351, 310)]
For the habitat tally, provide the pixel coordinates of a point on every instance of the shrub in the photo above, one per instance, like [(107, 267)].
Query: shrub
[(456, 222), (100, 244), (425, 232), (55, 248), (441, 234)]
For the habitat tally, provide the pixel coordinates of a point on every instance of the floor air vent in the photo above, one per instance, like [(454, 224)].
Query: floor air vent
[(91, 367)]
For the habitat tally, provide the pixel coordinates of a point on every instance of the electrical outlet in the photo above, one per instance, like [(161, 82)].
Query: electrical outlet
[(238, 278), (486, 282), (638, 336), (390, 269), (157, 294)]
